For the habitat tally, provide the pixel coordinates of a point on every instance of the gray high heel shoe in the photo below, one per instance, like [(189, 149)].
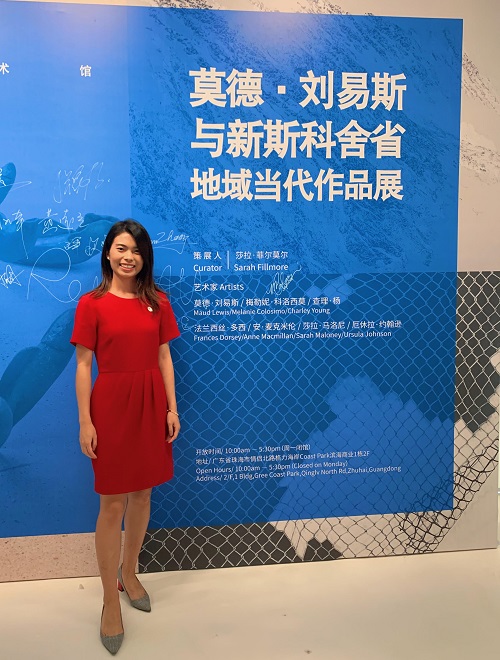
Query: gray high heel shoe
[(111, 643), (142, 603)]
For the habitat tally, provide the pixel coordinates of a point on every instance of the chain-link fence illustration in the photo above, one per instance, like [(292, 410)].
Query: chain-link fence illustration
[(404, 397)]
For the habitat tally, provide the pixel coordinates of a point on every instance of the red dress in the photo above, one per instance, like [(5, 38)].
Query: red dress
[(128, 405)]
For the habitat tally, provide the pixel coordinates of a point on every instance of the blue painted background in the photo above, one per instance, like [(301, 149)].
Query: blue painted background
[(133, 118)]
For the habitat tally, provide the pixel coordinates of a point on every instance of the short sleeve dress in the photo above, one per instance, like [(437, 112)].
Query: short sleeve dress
[(128, 404)]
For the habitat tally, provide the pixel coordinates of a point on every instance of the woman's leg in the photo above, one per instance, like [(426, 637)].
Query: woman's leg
[(136, 522), (108, 545)]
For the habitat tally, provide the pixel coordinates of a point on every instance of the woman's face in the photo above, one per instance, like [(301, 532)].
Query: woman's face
[(124, 257)]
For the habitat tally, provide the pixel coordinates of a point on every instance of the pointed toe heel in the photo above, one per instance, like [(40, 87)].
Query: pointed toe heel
[(143, 603), (111, 643)]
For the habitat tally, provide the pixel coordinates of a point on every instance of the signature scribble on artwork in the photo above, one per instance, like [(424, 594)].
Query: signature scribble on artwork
[(281, 282), (9, 277)]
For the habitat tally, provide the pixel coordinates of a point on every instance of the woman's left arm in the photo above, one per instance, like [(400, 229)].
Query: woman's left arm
[(167, 372)]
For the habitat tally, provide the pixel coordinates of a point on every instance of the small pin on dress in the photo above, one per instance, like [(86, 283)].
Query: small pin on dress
[(150, 309)]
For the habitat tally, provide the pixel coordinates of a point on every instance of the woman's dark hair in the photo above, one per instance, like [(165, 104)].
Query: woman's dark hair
[(147, 291)]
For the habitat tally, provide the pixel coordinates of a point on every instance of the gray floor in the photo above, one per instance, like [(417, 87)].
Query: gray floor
[(433, 607)]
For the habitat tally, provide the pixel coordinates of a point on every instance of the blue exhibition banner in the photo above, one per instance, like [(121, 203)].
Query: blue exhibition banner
[(298, 175)]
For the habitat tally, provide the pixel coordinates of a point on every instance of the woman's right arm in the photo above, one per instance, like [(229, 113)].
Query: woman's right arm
[(83, 384)]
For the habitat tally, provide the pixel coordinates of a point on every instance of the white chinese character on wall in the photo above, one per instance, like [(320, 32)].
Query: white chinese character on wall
[(245, 88), (388, 184), (237, 184), (354, 91), (210, 138), (325, 91), (243, 138), (353, 139), (387, 89), (389, 142), (333, 180), (207, 184), (358, 186), (267, 186), (208, 87)]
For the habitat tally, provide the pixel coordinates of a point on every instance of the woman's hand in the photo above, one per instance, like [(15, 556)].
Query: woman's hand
[(88, 435), (173, 426), (167, 373), (88, 439)]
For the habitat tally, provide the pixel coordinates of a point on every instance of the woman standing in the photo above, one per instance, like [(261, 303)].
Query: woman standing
[(129, 420)]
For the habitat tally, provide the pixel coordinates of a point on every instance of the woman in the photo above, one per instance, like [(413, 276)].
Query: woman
[(128, 423)]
